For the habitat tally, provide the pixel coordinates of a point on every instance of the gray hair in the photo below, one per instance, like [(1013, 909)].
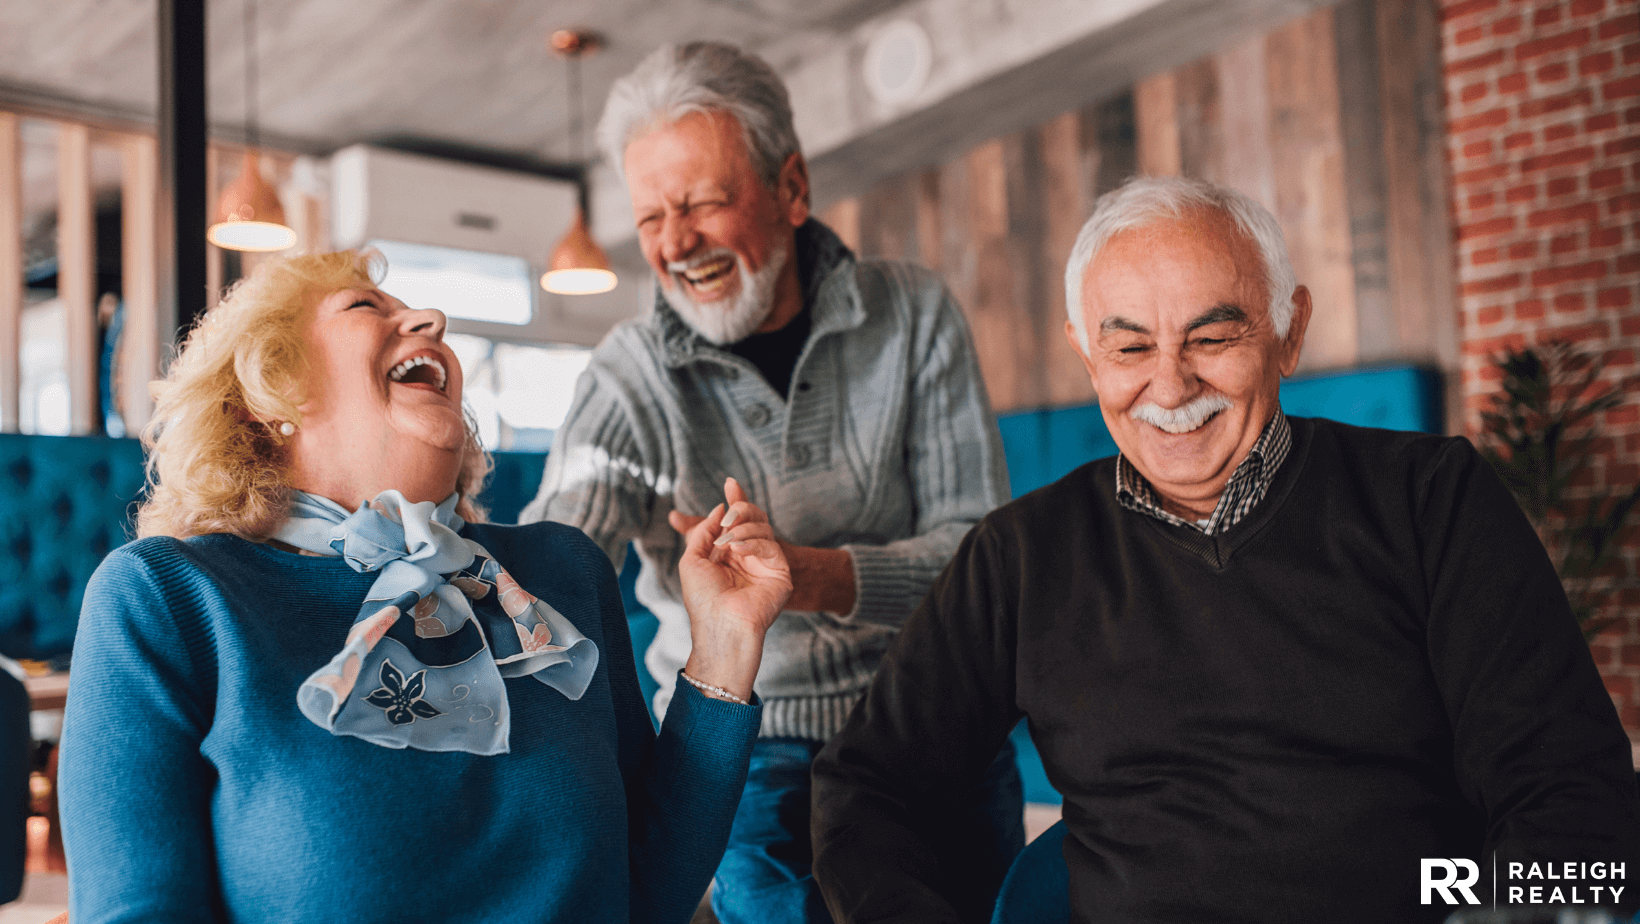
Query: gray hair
[(704, 77), (1144, 199)]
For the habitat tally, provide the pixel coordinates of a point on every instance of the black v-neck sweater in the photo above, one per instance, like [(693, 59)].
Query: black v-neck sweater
[(1375, 666)]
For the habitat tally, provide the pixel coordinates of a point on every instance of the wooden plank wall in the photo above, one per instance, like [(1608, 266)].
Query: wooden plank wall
[(1316, 119), (139, 264), (145, 341), (11, 271), (998, 223), (76, 273)]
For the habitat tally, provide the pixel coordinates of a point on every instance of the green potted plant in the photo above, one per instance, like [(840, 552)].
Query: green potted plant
[(1539, 437)]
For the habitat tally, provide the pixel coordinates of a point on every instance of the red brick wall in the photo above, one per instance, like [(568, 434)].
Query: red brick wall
[(1543, 107)]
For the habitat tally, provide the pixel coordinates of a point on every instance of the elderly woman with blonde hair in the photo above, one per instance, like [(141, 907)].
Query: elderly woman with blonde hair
[(319, 687)]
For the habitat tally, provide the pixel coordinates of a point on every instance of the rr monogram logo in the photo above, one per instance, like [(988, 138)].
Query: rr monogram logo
[(1449, 880)]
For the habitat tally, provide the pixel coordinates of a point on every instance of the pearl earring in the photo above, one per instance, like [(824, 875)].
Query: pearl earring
[(287, 428)]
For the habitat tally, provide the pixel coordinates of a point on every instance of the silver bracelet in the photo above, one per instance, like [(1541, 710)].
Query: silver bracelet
[(719, 692)]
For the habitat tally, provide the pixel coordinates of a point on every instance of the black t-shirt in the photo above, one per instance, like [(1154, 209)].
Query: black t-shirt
[(775, 353)]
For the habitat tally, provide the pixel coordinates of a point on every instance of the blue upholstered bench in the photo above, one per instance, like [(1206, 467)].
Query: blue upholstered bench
[(69, 500), (67, 504)]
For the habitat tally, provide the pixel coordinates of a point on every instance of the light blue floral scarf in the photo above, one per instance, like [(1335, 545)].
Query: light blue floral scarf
[(432, 681)]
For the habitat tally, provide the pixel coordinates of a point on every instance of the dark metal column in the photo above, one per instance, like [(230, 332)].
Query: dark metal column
[(182, 193)]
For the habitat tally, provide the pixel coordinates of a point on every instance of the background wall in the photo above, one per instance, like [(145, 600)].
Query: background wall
[(1337, 133), (1451, 178), (1544, 110)]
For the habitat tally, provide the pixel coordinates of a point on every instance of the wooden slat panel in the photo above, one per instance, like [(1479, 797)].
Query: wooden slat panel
[(888, 219), (1110, 145), (1028, 292), (1196, 115), (1418, 229), (1360, 120), (1107, 136), (1307, 155), (1067, 199), (140, 347), (1245, 127), (990, 306), (11, 271), (955, 244), (213, 253), (1156, 107), (843, 217), (930, 243), (943, 195), (76, 274), (987, 190)]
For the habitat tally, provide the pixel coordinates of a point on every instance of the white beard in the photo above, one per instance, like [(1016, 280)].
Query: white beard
[(727, 323), (1182, 419)]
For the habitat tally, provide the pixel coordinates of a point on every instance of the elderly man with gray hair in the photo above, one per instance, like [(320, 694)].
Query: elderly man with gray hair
[(1280, 669), (843, 394)]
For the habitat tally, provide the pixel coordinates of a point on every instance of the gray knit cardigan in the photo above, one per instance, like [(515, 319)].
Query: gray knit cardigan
[(887, 447)]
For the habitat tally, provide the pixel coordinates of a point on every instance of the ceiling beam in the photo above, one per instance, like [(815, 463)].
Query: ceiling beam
[(32, 101)]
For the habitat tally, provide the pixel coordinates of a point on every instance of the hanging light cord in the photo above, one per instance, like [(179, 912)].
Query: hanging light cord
[(573, 61), (252, 135)]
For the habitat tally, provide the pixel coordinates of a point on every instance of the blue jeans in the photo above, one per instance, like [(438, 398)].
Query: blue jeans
[(765, 877)]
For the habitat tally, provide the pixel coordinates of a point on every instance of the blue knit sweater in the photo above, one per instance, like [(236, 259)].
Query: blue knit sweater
[(193, 789)]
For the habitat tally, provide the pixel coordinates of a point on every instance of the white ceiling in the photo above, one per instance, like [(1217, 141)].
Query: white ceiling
[(476, 74), (333, 72)]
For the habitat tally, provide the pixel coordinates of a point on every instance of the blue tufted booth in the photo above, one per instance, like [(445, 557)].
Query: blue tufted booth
[(67, 500)]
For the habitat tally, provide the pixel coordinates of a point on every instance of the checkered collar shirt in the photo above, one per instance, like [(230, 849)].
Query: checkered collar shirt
[(1246, 487)]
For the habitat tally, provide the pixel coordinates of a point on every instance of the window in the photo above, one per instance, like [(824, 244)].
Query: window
[(464, 284), (519, 394)]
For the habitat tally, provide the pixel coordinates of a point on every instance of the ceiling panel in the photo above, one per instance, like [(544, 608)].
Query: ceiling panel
[(469, 72)]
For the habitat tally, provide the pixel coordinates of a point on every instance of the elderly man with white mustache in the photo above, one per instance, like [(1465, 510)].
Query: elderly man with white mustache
[(843, 394), (1272, 664)]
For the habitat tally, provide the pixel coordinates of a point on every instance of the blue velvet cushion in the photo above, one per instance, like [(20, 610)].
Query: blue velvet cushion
[(512, 484), (67, 502)]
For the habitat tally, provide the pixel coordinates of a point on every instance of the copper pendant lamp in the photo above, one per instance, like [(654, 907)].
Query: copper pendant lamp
[(248, 214), (577, 266)]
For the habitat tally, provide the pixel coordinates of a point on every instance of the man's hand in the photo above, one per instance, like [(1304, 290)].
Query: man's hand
[(822, 579)]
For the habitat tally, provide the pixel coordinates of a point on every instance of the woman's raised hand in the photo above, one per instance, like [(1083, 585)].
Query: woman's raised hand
[(735, 581)]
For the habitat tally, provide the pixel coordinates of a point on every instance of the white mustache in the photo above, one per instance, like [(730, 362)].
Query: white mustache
[(1184, 418)]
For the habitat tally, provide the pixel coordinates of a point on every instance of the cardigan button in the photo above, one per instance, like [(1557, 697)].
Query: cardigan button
[(797, 456), (756, 416)]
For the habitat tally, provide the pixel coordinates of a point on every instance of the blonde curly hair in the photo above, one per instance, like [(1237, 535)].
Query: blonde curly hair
[(216, 460)]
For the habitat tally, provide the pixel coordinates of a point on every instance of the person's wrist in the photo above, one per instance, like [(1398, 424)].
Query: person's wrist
[(822, 579), (712, 691), (729, 662)]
